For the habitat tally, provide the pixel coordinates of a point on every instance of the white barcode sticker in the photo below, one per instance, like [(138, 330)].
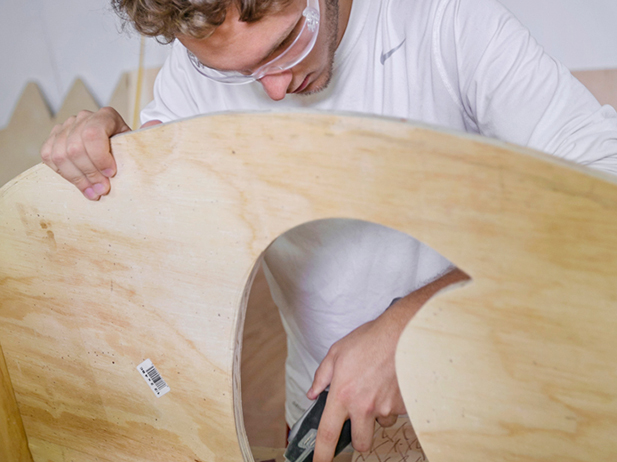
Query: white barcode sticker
[(153, 378)]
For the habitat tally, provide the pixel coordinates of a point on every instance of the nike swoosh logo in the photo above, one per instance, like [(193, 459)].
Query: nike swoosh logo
[(385, 56)]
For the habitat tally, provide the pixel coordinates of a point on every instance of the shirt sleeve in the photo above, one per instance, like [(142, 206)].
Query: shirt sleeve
[(173, 98), (514, 91)]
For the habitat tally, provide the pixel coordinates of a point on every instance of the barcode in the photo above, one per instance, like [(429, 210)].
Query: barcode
[(153, 378), (156, 378)]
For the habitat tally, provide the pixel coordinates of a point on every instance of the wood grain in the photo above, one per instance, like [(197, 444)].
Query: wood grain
[(161, 269), (520, 365), (13, 441), (397, 443), (21, 140), (264, 349)]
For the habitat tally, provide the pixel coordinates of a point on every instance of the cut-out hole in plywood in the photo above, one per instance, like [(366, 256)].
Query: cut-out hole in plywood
[(158, 269), (264, 349), (350, 268)]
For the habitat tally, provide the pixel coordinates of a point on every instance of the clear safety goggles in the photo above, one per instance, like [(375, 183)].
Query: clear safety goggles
[(302, 39)]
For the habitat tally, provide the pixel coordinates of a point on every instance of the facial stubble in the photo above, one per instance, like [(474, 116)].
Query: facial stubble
[(331, 30)]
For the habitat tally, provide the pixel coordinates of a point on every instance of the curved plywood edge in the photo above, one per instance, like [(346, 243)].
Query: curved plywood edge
[(521, 364), (158, 269), (13, 441), (90, 291)]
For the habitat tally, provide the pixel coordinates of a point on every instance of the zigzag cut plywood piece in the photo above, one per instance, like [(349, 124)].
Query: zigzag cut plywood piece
[(21, 140), (13, 441), (78, 98), (30, 125), (160, 270), (32, 121)]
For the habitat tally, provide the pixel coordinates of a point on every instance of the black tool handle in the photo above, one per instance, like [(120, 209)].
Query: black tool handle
[(302, 447)]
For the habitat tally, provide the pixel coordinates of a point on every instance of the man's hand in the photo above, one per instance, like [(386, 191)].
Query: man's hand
[(79, 150), (361, 373)]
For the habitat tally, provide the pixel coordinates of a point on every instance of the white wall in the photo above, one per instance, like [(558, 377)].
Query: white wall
[(53, 42), (582, 34)]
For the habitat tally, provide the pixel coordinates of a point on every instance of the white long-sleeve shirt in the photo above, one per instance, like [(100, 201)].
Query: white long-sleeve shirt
[(467, 65)]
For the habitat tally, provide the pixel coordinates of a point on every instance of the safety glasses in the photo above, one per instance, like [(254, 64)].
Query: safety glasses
[(302, 40)]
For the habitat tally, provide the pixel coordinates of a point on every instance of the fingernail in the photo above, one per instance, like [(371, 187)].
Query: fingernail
[(108, 172), (99, 188), (90, 194)]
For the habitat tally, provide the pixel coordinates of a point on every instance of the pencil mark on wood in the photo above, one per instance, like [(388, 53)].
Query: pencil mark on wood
[(398, 443)]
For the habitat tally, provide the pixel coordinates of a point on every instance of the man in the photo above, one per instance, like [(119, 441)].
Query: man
[(463, 64)]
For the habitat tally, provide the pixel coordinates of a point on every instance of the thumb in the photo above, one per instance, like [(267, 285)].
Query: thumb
[(323, 377)]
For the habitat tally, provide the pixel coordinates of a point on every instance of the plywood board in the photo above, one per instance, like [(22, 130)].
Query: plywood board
[(32, 120), (264, 350), (13, 441), (397, 443), (21, 140), (78, 98), (159, 269), (520, 365), (30, 125)]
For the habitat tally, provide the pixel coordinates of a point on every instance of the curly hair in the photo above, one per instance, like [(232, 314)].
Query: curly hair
[(165, 19)]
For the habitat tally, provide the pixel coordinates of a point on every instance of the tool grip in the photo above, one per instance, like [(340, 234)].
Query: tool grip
[(302, 437)]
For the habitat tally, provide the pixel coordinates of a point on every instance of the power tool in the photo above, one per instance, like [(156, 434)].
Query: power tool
[(304, 432)]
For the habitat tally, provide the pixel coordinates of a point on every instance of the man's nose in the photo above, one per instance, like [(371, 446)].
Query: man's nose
[(276, 85)]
